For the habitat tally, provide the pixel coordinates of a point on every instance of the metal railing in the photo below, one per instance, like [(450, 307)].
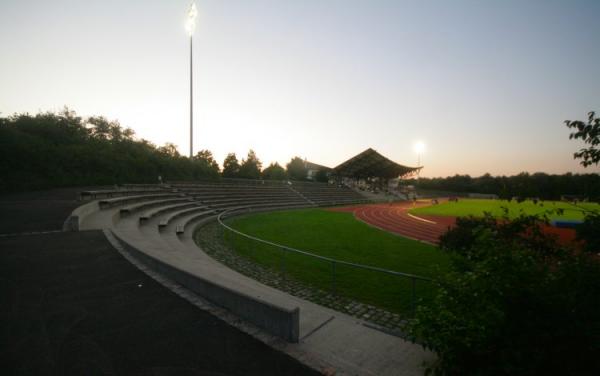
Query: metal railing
[(334, 263)]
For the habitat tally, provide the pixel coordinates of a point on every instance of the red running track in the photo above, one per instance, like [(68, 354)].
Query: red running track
[(396, 219)]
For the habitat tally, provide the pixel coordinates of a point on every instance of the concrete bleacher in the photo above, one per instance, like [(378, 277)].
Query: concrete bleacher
[(161, 236), (175, 208), (328, 194)]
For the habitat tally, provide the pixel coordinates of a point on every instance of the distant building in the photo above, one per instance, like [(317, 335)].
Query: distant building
[(372, 171), (312, 169)]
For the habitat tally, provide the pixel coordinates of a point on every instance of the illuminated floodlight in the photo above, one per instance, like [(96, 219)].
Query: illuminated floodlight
[(190, 24), (419, 147)]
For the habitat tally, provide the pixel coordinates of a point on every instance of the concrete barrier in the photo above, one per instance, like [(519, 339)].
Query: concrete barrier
[(73, 222), (279, 321)]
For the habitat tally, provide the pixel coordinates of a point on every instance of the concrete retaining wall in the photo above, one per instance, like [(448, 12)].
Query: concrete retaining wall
[(279, 321), (73, 222)]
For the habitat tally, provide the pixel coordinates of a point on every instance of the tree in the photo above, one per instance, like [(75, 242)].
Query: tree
[(100, 127), (206, 157), (589, 231), (169, 149), (251, 166), (296, 169), (590, 134), (205, 161), (274, 172), (231, 166), (92, 151)]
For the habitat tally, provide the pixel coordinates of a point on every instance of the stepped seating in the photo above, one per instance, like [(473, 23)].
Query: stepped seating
[(112, 202), (328, 194), (162, 236), (257, 202), (150, 204), (119, 192), (233, 199), (166, 220), (186, 221), (166, 209), (228, 190)]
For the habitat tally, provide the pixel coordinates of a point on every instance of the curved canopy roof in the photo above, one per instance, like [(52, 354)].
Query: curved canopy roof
[(370, 164)]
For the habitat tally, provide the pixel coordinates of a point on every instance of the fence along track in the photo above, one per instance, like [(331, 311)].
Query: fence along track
[(334, 262)]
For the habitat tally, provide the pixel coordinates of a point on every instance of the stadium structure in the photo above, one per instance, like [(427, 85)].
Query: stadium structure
[(154, 226)]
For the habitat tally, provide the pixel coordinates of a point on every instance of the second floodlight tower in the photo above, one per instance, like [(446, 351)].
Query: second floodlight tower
[(191, 26), (419, 148)]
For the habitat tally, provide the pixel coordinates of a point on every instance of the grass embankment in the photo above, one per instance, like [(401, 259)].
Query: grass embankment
[(340, 236), (475, 207)]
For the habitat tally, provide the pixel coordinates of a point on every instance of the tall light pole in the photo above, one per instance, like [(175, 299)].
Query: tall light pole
[(419, 148), (191, 26)]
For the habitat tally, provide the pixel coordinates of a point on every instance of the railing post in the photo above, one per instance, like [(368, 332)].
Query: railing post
[(412, 299), (333, 277), (282, 263), (250, 247)]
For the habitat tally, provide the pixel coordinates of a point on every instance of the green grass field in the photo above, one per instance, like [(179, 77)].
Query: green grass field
[(476, 207), (340, 236)]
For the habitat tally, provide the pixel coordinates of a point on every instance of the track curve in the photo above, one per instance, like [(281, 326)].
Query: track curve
[(396, 219)]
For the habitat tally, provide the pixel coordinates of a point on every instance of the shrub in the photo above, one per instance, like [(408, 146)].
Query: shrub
[(514, 303)]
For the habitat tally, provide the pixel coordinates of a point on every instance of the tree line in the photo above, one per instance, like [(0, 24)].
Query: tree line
[(62, 149), (539, 184)]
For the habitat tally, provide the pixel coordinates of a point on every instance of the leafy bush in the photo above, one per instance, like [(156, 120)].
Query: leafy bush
[(589, 232), (515, 303)]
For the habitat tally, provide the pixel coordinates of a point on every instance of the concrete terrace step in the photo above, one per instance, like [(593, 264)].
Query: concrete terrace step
[(254, 203), (196, 219), (250, 198), (150, 204), (165, 222), (108, 203), (165, 209), (116, 192)]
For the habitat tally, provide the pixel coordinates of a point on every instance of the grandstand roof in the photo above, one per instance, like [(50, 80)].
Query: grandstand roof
[(314, 166), (369, 164)]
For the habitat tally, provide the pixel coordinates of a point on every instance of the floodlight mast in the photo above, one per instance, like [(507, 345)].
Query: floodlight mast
[(191, 26), (419, 148)]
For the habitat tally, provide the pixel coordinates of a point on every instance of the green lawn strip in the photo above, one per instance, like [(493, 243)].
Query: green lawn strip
[(340, 236), (476, 207)]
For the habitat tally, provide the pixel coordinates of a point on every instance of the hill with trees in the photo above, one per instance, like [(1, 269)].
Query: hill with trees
[(58, 150)]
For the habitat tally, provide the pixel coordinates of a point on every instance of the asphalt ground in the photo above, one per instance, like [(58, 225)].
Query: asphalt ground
[(70, 304)]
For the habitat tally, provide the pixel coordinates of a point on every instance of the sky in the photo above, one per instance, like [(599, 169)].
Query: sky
[(485, 85)]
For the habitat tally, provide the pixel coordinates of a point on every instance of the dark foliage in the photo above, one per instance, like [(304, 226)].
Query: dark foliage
[(296, 169), (515, 303), (541, 185), (322, 176), (590, 134), (231, 166), (250, 167), (274, 172), (63, 149), (589, 232)]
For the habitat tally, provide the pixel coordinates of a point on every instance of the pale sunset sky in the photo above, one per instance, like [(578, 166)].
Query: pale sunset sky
[(486, 85)]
